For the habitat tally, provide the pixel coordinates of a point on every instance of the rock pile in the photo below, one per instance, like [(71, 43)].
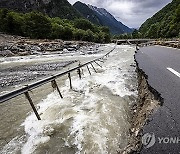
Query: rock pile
[(19, 46), (173, 44)]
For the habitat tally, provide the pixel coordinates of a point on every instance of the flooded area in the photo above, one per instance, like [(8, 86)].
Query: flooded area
[(93, 117), (22, 70)]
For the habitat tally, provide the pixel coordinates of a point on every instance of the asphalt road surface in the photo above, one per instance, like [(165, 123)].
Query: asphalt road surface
[(162, 66)]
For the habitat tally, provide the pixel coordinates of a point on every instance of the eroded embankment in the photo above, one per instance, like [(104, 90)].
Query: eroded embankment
[(148, 101)]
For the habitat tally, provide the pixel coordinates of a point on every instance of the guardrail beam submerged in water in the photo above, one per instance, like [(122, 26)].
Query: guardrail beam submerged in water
[(25, 90)]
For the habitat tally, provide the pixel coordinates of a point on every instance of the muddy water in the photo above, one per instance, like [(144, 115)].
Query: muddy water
[(23, 70), (94, 117)]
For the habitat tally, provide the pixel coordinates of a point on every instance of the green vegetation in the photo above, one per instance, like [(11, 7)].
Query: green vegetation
[(97, 16), (87, 12), (37, 25), (164, 24), (134, 35), (52, 8)]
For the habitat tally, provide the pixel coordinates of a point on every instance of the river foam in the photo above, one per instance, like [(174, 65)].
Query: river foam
[(94, 117)]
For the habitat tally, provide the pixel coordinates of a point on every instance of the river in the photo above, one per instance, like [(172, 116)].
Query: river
[(93, 117)]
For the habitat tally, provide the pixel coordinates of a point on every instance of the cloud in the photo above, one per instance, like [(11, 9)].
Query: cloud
[(130, 12)]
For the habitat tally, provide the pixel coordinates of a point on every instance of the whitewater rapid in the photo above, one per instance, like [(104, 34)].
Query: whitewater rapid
[(94, 117)]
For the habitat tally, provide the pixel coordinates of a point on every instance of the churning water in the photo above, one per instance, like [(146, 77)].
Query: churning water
[(94, 117)]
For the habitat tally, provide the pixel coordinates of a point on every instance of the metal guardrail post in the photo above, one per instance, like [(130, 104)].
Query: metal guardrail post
[(79, 70), (39, 83), (97, 64), (88, 69), (79, 73), (32, 105), (93, 67), (55, 86), (101, 61), (69, 76)]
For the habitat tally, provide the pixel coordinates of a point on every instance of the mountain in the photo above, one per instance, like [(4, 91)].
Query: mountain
[(52, 8), (165, 23), (102, 17), (87, 12)]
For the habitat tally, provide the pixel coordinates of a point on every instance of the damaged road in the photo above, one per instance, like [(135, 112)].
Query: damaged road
[(162, 66)]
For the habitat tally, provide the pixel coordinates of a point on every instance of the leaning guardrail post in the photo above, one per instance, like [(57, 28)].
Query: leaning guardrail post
[(69, 76), (79, 71), (32, 105), (104, 58), (97, 64), (88, 69), (24, 90), (101, 61), (81, 68), (55, 86), (93, 67)]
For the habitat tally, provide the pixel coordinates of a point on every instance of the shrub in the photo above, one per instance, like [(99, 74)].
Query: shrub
[(37, 25)]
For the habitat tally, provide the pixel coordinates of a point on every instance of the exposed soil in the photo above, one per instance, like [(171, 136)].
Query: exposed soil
[(148, 101)]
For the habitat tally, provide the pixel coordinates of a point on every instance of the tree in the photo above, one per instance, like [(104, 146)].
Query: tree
[(83, 24), (3, 23), (11, 22), (57, 31), (165, 23), (37, 25), (15, 22), (135, 34), (105, 29), (107, 38), (153, 31), (78, 34), (177, 14), (68, 33)]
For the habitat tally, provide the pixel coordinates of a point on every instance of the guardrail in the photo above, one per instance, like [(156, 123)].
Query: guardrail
[(132, 41), (25, 90)]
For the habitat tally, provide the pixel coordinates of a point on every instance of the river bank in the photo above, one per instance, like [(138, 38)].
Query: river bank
[(148, 101), (81, 119), (19, 46), (114, 86), (23, 60)]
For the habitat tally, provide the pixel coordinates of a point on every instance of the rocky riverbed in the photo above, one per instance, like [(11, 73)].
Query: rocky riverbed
[(93, 117), (45, 58), (20, 74), (20, 46), (24, 60)]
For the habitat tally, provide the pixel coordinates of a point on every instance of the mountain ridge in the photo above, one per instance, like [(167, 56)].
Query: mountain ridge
[(52, 8), (101, 17), (164, 23)]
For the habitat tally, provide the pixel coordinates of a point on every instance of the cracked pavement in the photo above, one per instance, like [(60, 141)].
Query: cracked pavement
[(165, 121)]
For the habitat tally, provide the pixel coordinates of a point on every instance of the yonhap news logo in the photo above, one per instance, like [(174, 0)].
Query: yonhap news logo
[(149, 139)]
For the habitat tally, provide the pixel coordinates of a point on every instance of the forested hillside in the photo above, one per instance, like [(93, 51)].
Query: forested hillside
[(52, 8), (87, 12), (37, 25), (164, 24), (102, 17)]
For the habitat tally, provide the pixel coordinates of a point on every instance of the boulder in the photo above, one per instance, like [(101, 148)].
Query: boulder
[(6, 53)]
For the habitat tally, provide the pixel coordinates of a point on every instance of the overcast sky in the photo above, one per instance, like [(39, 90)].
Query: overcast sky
[(130, 12)]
